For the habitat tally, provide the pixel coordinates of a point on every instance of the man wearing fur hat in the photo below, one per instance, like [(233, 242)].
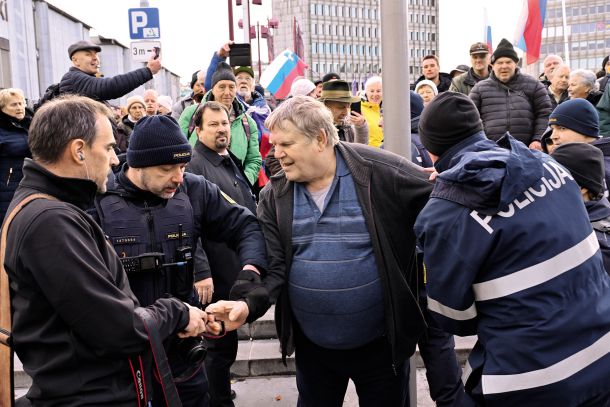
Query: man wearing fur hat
[(244, 131), (510, 101), (166, 211), (511, 257)]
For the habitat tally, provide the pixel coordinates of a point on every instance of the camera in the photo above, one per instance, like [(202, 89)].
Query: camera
[(192, 350)]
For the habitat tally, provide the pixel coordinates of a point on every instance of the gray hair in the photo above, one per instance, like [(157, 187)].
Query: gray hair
[(308, 115), (62, 120), (552, 56), (372, 80), (587, 76), (7, 94)]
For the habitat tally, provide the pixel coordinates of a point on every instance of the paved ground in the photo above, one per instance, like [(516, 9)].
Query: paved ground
[(282, 392)]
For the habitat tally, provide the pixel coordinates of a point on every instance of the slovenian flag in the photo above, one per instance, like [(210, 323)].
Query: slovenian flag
[(528, 35), (487, 33), (280, 73)]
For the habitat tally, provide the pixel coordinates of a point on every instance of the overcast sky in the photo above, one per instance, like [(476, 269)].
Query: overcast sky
[(191, 30)]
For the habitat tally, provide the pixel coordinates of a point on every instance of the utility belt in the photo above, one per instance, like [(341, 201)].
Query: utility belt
[(175, 278)]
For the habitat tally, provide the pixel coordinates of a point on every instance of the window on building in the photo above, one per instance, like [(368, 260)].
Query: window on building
[(366, 13), (575, 11), (333, 10), (312, 8), (433, 19), (432, 3)]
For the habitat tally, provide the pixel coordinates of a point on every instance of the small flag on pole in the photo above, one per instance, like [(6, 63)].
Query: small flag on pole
[(487, 33), (280, 73)]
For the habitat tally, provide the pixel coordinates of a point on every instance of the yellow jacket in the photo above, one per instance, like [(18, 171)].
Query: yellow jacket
[(372, 113)]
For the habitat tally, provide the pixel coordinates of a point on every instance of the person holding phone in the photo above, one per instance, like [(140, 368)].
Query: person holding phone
[(337, 98)]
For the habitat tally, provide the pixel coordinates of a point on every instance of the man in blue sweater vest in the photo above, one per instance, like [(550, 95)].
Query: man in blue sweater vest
[(511, 257), (338, 223)]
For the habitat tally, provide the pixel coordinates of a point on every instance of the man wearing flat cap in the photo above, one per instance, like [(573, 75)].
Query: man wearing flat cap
[(510, 101), (81, 77), (337, 98), (511, 257), (479, 59)]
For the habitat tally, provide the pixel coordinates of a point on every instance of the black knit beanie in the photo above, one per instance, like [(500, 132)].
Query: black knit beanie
[(449, 118), (504, 49), (194, 79), (586, 164), (157, 140), (223, 73), (578, 115)]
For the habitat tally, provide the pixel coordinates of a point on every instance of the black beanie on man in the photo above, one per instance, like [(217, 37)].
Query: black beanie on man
[(223, 73), (578, 115), (586, 164), (449, 118), (504, 49), (157, 140)]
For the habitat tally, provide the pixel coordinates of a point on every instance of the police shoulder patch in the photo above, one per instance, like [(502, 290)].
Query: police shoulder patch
[(228, 198)]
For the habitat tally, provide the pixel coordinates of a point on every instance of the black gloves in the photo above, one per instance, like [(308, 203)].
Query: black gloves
[(249, 288)]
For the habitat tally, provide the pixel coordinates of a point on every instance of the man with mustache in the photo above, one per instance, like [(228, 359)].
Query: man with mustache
[(153, 211), (510, 101), (213, 159)]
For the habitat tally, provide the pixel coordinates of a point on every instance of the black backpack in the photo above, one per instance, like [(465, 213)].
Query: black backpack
[(51, 93)]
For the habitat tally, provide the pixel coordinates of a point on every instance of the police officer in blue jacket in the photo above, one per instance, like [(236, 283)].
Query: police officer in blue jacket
[(154, 213), (511, 256)]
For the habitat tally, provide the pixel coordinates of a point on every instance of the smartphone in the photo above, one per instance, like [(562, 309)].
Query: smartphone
[(240, 55), (355, 107), (157, 52)]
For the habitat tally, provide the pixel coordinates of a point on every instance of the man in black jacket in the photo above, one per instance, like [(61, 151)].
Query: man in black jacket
[(338, 221), (81, 78), (213, 159), (153, 208), (431, 70), (76, 324)]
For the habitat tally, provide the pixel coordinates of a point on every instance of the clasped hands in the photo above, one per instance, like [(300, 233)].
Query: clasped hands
[(232, 313)]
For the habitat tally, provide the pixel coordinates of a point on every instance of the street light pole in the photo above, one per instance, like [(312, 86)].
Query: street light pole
[(258, 38), (246, 6), (230, 5)]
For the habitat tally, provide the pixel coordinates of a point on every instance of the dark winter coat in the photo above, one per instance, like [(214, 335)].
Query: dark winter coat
[(520, 106), (445, 81), (81, 83), (564, 96), (13, 150), (230, 178), (465, 82), (391, 191), (511, 257), (599, 215), (73, 311)]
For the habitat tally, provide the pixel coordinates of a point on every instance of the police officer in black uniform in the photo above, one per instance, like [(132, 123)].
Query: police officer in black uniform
[(154, 214)]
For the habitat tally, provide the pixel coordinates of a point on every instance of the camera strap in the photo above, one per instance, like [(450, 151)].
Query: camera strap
[(160, 363), (7, 385)]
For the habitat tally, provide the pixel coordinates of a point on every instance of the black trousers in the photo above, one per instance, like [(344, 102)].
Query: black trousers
[(323, 374), (221, 355), (437, 349)]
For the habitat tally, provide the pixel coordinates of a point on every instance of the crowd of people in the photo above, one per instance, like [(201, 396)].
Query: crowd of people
[(178, 221)]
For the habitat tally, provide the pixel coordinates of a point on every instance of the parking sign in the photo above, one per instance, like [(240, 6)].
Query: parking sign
[(144, 23)]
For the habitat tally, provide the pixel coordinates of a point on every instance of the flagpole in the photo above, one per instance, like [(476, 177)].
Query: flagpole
[(566, 44)]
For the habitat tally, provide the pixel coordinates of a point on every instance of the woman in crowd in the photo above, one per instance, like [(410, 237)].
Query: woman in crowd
[(15, 120), (582, 86), (371, 109), (427, 90)]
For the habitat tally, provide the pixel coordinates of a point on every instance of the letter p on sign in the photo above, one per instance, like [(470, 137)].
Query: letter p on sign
[(139, 20)]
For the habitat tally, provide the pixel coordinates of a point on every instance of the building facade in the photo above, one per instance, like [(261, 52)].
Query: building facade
[(34, 41), (588, 33), (344, 36)]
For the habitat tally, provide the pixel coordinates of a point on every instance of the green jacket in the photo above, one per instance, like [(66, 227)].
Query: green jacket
[(246, 150), (603, 108)]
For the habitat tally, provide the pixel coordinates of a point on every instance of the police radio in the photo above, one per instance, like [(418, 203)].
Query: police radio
[(181, 281), (144, 263)]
